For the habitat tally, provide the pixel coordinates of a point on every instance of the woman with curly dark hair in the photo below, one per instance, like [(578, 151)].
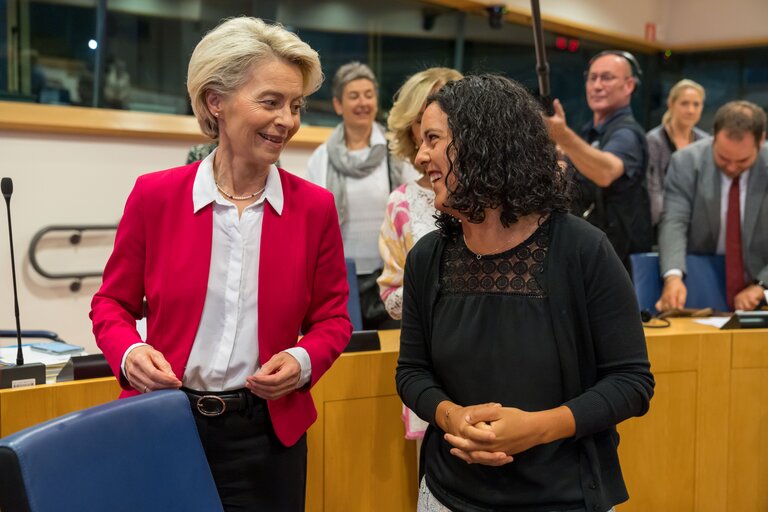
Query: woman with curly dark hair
[(521, 343)]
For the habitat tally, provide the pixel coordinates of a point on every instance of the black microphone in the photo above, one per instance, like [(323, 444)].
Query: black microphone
[(6, 184), (21, 375), (646, 317)]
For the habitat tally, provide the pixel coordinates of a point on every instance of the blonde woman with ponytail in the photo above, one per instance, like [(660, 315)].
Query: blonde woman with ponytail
[(677, 129)]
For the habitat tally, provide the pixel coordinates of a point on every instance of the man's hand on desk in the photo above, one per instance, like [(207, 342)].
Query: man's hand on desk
[(147, 370), (749, 298), (673, 295)]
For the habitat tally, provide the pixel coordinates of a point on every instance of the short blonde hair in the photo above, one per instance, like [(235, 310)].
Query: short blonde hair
[(223, 60), (409, 100), (676, 91)]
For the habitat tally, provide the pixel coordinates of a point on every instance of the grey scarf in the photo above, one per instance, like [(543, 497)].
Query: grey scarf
[(341, 166)]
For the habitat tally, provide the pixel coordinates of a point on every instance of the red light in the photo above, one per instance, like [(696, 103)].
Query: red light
[(560, 43), (573, 45)]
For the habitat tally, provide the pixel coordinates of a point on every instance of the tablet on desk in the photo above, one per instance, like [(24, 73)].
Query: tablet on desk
[(57, 348)]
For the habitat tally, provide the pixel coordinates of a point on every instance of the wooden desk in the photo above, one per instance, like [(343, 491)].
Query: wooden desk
[(747, 413), (23, 407), (703, 446), (358, 456), (671, 456)]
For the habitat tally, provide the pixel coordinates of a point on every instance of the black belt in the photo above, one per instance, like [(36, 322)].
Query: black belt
[(216, 403)]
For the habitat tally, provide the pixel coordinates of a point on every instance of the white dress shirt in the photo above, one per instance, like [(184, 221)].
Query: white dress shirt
[(226, 349)]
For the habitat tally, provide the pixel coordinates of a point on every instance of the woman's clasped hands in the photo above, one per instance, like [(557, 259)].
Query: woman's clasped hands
[(491, 434)]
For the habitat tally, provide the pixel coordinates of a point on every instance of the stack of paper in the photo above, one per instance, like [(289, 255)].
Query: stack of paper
[(53, 363)]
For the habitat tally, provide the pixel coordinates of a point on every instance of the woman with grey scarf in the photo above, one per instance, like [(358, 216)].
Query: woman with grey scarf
[(356, 166)]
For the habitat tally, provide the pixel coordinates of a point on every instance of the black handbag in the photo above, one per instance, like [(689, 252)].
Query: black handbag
[(375, 316)]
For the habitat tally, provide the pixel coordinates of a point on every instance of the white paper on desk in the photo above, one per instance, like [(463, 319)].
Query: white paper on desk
[(8, 355), (714, 321)]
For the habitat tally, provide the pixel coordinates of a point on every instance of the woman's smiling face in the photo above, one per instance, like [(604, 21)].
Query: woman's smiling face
[(258, 119), (432, 156)]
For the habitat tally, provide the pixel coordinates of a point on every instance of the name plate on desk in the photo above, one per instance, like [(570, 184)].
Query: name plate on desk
[(30, 374), (747, 320), (85, 367), (362, 341)]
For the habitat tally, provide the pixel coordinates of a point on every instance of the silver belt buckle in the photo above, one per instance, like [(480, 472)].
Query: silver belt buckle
[(219, 405)]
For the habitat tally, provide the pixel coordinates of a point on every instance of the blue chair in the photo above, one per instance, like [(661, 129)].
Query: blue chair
[(141, 453), (705, 280), (353, 304)]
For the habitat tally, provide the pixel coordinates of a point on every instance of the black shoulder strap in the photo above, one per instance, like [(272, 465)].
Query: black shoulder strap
[(389, 168)]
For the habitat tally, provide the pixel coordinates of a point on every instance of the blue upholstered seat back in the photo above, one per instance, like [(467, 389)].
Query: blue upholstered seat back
[(136, 454), (353, 305), (705, 280)]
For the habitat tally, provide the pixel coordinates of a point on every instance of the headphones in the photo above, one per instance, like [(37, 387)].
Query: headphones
[(637, 73)]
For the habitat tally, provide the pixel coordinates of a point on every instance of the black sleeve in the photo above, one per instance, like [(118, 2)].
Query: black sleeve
[(415, 379), (624, 383)]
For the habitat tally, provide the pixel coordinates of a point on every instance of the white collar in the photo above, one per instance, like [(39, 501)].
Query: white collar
[(377, 136), (204, 190)]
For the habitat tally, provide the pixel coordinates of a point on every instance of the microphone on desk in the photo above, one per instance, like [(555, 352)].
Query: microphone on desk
[(20, 375), (653, 321)]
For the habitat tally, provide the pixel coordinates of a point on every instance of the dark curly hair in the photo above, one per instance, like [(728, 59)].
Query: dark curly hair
[(500, 154)]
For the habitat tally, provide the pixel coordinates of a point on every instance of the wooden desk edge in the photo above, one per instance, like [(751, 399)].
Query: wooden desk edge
[(64, 119)]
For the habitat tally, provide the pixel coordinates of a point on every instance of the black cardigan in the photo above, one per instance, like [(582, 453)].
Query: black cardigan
[(595, 317)]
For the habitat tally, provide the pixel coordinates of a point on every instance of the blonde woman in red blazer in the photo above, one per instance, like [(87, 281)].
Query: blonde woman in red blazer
[(235, 258)]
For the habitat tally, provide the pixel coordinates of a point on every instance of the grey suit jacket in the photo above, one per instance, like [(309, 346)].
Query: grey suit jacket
[(690, 220)]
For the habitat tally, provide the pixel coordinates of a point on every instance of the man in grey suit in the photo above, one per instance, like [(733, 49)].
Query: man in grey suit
[(697, 187)]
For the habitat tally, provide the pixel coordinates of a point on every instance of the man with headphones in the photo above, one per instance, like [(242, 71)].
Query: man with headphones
[(610, 155)]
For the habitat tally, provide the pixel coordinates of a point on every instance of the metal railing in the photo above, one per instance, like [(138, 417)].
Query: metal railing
[(74, 239)]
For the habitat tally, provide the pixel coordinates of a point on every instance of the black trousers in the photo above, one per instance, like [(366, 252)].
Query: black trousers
[(251, 467)]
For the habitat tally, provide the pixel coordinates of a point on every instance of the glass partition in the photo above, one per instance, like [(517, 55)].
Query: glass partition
[(129, 54), (726, 75), (51, 51), (392, 37)]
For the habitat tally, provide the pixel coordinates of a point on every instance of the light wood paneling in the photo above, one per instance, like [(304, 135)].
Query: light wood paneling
[(32, 117), (748, 435), (672, 457), (748, 441), (675, 352), (712, 423), (657, 451), (375, 472), (358, 456), (568, 27), (97, 121), (24, 407), (750, 349), (560, 26)]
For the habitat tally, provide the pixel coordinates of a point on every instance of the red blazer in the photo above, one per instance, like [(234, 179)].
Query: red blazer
[(163, 252)]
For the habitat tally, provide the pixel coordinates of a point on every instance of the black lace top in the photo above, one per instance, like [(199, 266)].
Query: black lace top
[(513, 271), (493, 342)]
